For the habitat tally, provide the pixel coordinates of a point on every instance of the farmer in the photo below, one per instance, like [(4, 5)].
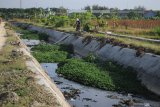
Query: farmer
[(78, 25)]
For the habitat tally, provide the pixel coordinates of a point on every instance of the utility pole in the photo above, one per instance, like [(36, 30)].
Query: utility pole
[(62, 3), (20, 4)]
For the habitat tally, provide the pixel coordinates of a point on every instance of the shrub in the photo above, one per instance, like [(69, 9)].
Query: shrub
[(60, 23), (90, 58), (86, 27)]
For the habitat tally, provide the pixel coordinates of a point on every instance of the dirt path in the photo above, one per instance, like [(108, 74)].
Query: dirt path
[(2, 35), (130, 37)]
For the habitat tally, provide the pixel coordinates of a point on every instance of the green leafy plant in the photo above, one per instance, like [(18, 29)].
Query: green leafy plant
[(86, 73), (90, 58), (33, 35), (50, 53)]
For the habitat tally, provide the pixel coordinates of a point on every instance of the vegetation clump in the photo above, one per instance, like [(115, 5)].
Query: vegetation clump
[(51, 53), (108, 75), (86, 73), (26, 34)]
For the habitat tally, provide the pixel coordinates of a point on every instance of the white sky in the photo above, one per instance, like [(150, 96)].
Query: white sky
[(78, 4)]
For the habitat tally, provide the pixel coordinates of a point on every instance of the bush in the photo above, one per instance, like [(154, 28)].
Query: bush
[(90, 58), (60, 23), (86, 27)]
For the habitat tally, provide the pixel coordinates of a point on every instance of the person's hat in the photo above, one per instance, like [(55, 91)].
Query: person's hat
[(77, 19)]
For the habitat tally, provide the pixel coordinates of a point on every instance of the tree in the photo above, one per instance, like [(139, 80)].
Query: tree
[(97, 7), (142, 8), (158, 14), (87, 8), (134, 15)]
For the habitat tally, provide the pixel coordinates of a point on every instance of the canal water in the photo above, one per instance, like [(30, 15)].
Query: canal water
[(83, 96)]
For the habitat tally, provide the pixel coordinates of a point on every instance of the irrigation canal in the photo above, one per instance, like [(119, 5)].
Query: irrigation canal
[(83, 96)]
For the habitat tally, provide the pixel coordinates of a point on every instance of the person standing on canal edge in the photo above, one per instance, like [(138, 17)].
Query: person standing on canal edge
[(78, 25)]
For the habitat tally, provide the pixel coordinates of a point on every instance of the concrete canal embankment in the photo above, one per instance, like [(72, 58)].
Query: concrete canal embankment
[(146, 65), (42, 78)]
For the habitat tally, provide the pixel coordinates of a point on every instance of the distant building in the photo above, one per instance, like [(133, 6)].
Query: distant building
[(101, 11), (69, 12), (124, 13), (120, 13), (76, 11), (149, 14)]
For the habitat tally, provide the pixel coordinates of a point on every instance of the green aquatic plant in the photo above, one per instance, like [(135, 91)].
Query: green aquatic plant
[(86, 73)]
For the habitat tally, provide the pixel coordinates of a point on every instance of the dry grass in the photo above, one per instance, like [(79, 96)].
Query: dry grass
[(149, 46), (16, 78)]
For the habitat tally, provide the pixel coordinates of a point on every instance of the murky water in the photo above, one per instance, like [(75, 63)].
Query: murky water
[(83, 96), (31, 42)]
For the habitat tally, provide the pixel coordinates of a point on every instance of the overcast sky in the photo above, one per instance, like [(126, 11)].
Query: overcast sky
[(79, 4)]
